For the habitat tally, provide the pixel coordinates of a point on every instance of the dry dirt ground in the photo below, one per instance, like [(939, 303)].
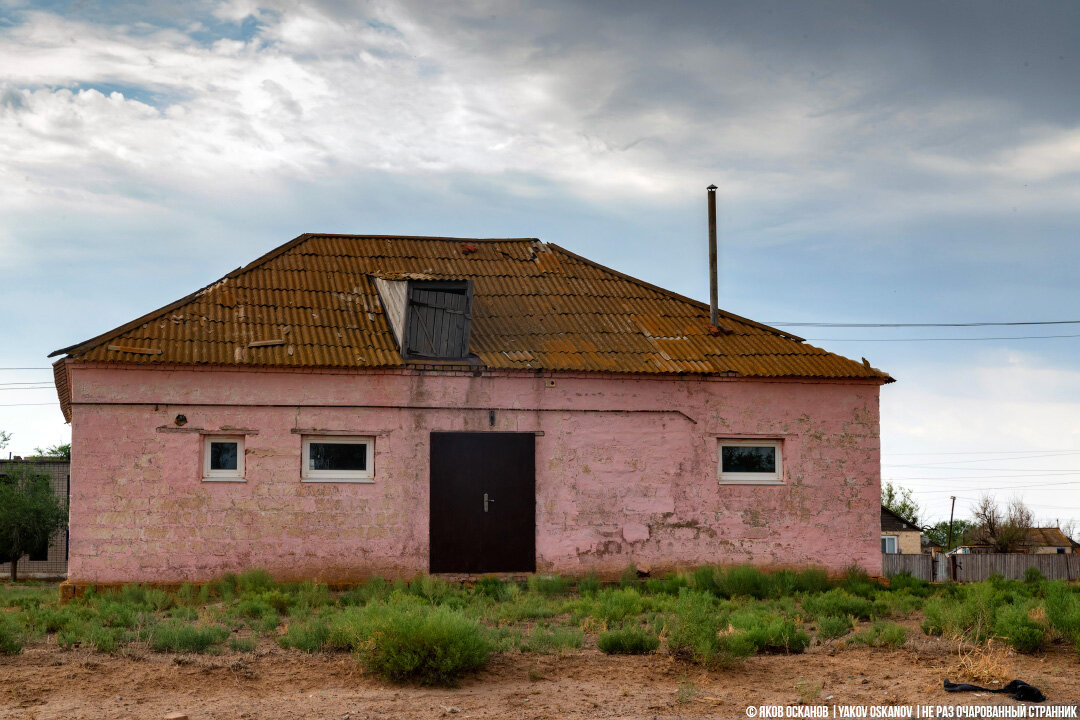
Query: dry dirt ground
[(274, 684)]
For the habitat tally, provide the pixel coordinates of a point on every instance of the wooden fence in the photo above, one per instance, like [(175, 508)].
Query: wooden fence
[(980, 566), (919, 566)]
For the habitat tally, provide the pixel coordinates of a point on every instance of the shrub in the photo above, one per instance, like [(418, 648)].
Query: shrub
[(529, 607), (775, 635), (254, 581), (700, 632), (742, 580), (670, 584), (617, 604), (856, 581), (1019, 630), (546, 641), (628, 641), (906, 582), (175, 636), (812, 580), (704, 579), (278, 600), (492, 587), (430, 647), (630, 578), (588, 585), (1033, 576), (833, 626), (548, 584), (10, 636), (374, 589), (310, 636), (254, 607), (1062, 607), (838, 602), (882, 634), (227, 586), (242, 644)]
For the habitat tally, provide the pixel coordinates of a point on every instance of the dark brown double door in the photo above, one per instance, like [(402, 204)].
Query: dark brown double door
[(483, 502)]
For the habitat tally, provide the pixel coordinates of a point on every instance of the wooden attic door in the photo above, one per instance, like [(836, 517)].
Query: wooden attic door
[(438, 319)]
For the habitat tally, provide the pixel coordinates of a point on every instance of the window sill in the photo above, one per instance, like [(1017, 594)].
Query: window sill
[(752, 482), (225, 479), (362, 481)]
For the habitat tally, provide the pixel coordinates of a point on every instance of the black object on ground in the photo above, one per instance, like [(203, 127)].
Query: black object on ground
[(1017, 689)]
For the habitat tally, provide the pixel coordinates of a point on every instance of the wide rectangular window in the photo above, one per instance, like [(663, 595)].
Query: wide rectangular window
[(751, 461), (223, 458), (338, 459)]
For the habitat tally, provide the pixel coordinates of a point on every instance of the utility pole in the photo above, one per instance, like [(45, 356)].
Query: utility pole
[(953, 508)]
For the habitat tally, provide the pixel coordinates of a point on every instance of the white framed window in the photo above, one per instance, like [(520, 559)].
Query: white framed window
[(223, 458), (335, 458), (750, 462), (889, 544)]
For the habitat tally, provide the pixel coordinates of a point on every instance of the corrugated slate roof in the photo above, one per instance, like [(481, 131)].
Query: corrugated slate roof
[(312, 303)]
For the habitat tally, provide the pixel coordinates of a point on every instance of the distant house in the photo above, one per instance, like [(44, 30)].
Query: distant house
[(898, 535), (346, 406), (47, 561), (1037, 541)]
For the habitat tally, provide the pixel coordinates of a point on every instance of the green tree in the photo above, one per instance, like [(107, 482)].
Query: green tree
[(938, 533), (900, 501), (62, 452), (30, 513), (5, 438)]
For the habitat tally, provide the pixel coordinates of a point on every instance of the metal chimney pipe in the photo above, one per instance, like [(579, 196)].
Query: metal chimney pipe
[(714, 312)]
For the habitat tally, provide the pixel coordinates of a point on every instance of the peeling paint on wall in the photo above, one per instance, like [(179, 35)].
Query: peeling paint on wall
[(615, 486)]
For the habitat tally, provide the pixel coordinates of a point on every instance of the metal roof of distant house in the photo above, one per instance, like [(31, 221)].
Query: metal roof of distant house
[(312, 303)]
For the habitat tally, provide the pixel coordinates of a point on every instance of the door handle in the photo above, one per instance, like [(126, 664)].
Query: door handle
[(486, 501)]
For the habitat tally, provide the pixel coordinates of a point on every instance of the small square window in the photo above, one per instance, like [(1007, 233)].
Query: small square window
[(338, 459), (888, 544), (223, 459), (751, 462)]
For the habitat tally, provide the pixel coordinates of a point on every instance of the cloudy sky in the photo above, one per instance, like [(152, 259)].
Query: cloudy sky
[(914, 162)]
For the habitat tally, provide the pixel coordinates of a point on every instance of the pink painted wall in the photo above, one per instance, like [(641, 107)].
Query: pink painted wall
[(613, 487)]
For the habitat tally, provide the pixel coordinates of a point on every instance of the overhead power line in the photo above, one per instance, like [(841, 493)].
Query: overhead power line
[(944, 339), (906, 325), (55, 402)]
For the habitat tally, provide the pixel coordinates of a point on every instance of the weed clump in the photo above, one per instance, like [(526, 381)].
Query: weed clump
[(548, 585), (882, 634), (838, 602), (429, 647), (548, 641), (1015, 625), (310, 636), (10, 636), (831, 627), (700, 632), (628, 641), (173, 636)]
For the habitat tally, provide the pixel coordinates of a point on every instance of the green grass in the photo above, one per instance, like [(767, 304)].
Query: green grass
[(175, 636), (10, 635), (882, 634), (545, 640), (628, 641), (428, 631), (309, 636)]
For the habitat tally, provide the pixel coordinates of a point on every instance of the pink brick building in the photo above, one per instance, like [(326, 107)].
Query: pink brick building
[(347, 406)]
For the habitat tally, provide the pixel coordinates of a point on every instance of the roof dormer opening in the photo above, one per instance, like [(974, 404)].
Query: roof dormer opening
[(431, 319)]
